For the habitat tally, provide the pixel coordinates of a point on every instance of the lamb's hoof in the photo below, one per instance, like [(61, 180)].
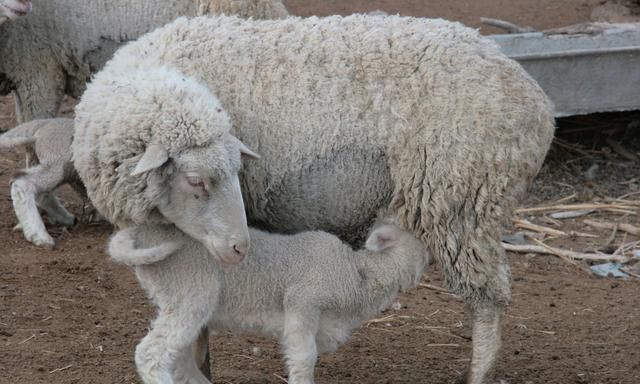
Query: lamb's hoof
[(17, 227), (41, 240)]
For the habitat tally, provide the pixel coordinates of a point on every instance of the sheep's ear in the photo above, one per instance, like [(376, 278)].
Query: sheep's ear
[(244, 151), (153, 157), (382, 238)]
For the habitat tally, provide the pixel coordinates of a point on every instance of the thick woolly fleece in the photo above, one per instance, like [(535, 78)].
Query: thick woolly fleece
[(55, 49), (155, 106), (422, 119)]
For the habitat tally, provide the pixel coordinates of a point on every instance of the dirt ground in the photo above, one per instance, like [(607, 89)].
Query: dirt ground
[(69, 315)]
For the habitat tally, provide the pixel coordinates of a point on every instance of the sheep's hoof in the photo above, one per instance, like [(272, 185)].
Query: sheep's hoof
[(17, 227)]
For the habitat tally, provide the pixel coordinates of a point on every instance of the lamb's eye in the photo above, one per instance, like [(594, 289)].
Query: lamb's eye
[(195, 181)]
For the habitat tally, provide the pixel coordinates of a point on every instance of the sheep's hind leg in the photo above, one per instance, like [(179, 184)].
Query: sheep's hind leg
[(483, 281), (299, 342), (486, 343), (25, 188)]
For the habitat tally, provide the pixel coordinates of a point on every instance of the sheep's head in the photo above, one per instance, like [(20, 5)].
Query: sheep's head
[(12, 9), (200, 193), (154, 146)]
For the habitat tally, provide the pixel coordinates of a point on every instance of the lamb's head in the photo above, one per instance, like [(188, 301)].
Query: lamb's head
[(386, 237), (12, 9), (154, 146)]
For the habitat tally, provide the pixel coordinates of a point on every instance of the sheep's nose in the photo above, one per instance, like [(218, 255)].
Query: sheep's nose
[(241, 249)]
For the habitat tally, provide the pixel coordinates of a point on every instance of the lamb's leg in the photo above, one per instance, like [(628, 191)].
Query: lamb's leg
[(164, 356), (200, 352), (56, 212), (187, 371), (299, 342), (25, 188)]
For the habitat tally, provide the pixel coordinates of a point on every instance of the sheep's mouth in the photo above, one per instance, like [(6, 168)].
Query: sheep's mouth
[(228, 258), (23, 11), (14, 13)]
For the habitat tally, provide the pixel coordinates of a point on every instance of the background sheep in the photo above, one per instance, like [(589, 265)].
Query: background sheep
[(421, 119), (310, 290), (55, 49), (49, 165), (256, 9), (12, 9)]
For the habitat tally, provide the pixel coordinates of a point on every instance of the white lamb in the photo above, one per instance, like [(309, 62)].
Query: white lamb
[(56, 49), (48, 145), (309, 290), (12, 9), (424, 120)]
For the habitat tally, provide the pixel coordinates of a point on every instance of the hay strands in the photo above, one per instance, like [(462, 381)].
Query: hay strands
[(630, 229), (630, 209), (525, 224), (564, 254)]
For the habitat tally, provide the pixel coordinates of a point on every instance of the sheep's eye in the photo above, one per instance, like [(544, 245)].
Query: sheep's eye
[(195, 181)]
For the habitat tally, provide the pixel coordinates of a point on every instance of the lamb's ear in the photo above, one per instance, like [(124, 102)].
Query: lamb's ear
[(153, 157), (383, 237)]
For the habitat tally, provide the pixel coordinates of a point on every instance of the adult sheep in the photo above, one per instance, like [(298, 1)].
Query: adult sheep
[(421, 120), (55, 50), (12, 9)]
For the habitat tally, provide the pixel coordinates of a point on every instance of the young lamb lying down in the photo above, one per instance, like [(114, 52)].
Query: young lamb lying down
[(49, 166), (310, 290)]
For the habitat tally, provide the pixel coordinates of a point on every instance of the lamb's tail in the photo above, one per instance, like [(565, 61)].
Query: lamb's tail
[(122, 249), (23, 134)]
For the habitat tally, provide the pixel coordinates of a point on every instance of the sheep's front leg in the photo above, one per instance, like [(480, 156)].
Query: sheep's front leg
[(299, 343)]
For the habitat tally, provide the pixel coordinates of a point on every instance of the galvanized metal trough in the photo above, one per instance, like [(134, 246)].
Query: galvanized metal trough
[(582, 73)]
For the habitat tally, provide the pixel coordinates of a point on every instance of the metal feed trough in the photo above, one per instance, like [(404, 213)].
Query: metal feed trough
[(582, 72)]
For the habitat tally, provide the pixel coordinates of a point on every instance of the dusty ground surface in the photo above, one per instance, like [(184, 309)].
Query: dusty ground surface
[(69, 315)]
